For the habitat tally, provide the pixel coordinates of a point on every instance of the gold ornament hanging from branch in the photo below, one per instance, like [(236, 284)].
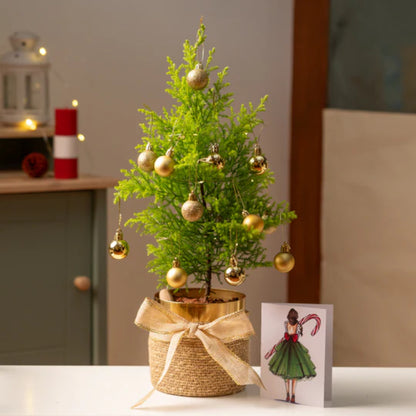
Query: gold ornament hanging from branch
[(192, 210), (146, 159), (284, 260), (253, 221), (176, 276), (164, 165), (258, 162), (234, 275), (118, 248), (214, 158), (250, 221), (198, 78)]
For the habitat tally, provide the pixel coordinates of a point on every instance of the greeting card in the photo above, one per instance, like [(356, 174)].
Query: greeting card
[(296, 352)]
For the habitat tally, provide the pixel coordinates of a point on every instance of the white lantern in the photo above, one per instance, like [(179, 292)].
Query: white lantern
[(24, 82)]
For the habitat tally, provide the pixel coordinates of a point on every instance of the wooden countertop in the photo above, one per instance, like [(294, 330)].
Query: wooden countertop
[(19, 182)]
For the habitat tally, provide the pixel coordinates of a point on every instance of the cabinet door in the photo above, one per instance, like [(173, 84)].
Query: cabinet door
[(45, 242)]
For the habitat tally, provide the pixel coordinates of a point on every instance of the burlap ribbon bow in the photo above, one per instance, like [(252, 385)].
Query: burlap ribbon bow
[(169, 326)]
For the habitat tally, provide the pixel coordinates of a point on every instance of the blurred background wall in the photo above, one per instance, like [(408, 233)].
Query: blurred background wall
[(111, 56), (368, 233)]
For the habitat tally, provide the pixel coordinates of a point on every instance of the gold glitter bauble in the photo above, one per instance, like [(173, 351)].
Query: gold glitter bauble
[(176, 276), (118, 248), (164, 165), (284, 260), (198, 78), (234, 275), (146, 159), (192, 210), (253, 222)]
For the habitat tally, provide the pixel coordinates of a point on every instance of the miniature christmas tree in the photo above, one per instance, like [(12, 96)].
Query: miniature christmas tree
[(201, 165)]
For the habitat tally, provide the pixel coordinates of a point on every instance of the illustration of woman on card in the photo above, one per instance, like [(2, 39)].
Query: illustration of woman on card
[(289, 358)]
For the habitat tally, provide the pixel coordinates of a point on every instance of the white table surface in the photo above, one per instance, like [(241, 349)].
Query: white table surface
[(111, 390)]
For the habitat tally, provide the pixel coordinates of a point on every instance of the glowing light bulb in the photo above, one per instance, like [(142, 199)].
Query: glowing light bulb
[(81, 137), (43, 51), (30, 124), (74, 103)]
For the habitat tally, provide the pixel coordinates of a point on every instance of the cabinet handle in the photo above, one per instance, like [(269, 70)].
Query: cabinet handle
[(82, 283)]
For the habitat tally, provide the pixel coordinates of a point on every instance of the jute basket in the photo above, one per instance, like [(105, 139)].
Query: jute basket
[(193, 372)]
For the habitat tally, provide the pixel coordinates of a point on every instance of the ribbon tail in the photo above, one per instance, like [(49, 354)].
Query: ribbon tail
[(143, 399), (241, 372), (174, 342)]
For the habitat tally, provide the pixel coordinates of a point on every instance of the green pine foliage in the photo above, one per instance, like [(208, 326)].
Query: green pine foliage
[(198, 119)]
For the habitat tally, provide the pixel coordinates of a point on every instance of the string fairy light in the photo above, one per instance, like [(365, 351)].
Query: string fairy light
[(30, 124)]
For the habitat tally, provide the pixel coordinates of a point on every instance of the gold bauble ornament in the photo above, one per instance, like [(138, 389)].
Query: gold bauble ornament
[(253, 222), (192, 209), (176, 276), (118, 248), (214, 158), (258, 163), (164, 165), (198, 78), (284, 260), (234, 275), (146, 159)]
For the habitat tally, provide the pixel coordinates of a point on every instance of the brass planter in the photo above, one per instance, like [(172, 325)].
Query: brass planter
[(204, 313), (193, 372)]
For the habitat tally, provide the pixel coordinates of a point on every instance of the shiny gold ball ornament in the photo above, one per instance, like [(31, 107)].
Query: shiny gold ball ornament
[(234, 275), (192, 209), (258, 163), (198, 78), (146, 159), (118, 248), (284, 260), (215, 158), (253, 222), (176, 276), (164, 165)]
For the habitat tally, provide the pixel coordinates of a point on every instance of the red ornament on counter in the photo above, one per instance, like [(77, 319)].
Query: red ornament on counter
[(65, 148), (35, 164)]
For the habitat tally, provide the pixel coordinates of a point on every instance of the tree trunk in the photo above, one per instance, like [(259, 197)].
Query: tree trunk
[(209, 258)]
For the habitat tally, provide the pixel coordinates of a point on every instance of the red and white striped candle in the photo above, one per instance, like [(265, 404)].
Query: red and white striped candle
[(65, 146)]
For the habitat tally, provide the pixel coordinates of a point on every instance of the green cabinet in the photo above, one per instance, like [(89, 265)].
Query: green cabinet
[(47, 239)]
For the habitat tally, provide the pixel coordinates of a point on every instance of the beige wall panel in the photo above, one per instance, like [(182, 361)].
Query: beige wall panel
[(369, 236)]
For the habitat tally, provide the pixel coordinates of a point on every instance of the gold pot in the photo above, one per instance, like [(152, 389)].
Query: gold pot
[(203, 313), (192, 371)]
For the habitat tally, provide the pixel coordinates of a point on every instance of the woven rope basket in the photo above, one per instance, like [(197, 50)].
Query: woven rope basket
[(193, 372)]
